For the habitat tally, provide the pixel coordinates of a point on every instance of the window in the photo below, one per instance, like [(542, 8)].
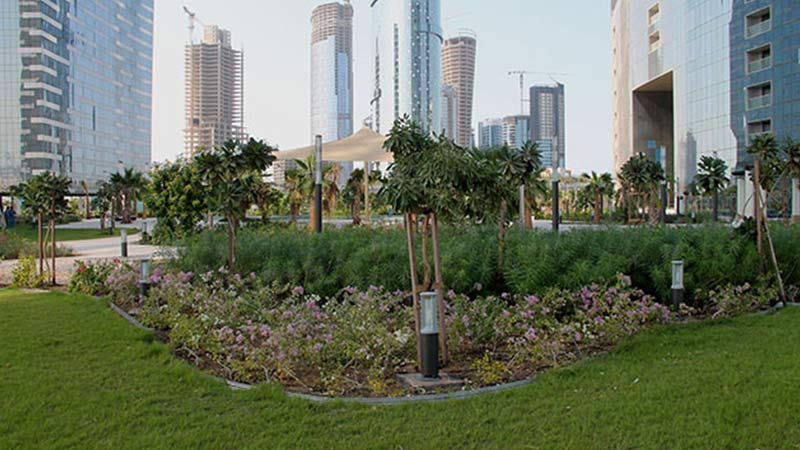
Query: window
[(759, 96), (758, 22), (655, 41), (654, 14), (759, 59), (759, 127)]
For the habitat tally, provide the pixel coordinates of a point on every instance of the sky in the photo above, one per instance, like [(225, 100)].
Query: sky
[(568, 36)]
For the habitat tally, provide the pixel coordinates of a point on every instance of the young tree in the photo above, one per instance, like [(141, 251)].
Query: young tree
[(792, 151), (177, 198), (764, 150), (231, 173), (45, 196), (712, 177), (641, 178), (599, 185)]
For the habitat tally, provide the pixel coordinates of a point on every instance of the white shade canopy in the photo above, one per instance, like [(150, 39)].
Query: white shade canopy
[(365, 145)]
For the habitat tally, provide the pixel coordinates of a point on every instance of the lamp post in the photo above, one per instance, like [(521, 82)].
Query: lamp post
[(556, 213), (318, 186), (677, 285), (664, 202), (522, 212), (123, 233), (144, 282), (429, 331)]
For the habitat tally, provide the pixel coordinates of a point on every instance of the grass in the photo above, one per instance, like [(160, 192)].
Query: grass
[(63, 235), (74, 375)]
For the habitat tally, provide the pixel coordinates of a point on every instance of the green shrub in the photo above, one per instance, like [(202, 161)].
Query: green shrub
[(25, 275), (13, 246)]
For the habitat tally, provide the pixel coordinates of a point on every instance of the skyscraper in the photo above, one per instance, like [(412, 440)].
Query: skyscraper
[(458, 71), (678, 98), (75, 88), (332, 75), (548, 121), (407, 63), (516, 131), (450, 112), (490, 134), (214, 91)]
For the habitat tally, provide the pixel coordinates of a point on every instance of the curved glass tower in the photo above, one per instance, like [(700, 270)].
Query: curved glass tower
[(407, 63)]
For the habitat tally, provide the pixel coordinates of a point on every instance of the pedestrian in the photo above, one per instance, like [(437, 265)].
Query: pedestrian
[(11, 217)]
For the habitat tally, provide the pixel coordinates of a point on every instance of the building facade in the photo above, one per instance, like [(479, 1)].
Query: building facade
[(491, 134), (407, 63), (516, 131), (450, 108), (548, 120), (214, 83), (700, 77), (458, 70), (75, 88)]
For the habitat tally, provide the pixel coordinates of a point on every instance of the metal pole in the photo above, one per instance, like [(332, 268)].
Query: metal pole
[(556, 198), (318, 187), (124, 242), (522, 211), (664, 202)]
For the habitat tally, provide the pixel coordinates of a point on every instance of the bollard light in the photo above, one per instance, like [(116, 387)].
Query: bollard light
[(429, 329), (123, 233), (144, 282), (677, 285)]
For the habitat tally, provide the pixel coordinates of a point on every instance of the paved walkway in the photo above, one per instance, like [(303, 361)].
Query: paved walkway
[(92, 250)]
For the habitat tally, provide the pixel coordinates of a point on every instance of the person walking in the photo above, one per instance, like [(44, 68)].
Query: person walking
[(11, 217)]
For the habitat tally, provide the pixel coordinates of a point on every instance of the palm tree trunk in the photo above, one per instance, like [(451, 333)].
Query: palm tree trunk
[(528, 214), (426, 263), (759, 216), (412, 261), (357, 209), (231, 244), (53, 248), (41, 243), (501, 235), (437, 264)]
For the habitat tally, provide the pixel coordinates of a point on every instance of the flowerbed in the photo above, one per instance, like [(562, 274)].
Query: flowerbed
[(356, 342)]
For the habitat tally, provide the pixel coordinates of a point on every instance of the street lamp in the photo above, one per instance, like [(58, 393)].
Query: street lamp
[(318, 187), (677, 285), (429, 331)]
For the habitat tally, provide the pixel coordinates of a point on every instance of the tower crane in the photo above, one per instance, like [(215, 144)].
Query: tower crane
[(192, 21), (522, 74)]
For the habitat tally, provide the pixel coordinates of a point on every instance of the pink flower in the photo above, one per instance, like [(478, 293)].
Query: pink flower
[(299, 290)]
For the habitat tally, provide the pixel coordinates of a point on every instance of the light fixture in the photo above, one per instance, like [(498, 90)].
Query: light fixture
[(123, 234), (144, 282), (677, 285), (429, 331)]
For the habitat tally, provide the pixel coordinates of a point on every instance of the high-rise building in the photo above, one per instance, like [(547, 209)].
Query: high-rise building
[(332, 75), (516, 131), (407, 63), (214, 91), (490, 134), (458, 71), (450, 116), (548, 120), (75, 88), (695, 78)]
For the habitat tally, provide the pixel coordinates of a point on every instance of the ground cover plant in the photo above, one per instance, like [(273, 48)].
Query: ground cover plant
[(77, 376), (715, 256), (357, 341)]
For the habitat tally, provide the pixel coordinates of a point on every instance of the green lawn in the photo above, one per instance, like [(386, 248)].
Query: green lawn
[(74, 375), (28, 233)]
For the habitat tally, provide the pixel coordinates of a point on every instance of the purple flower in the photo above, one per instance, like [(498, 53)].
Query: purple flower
[(298, 291)]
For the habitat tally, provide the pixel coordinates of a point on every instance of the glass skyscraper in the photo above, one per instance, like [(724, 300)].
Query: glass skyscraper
[(699, 77), (407, 63), (75, 88), (548, 122)]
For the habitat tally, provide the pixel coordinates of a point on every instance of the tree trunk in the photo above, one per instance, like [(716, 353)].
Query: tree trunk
[(87, 207), (426, 263), (795, 201), (501, 235), (598, 204), (437, 264), (759, 216), (653, 207), (231, 245), (41, 243), (102, 221), (528, 214), (412, 261), (53, 248), (357, 209)]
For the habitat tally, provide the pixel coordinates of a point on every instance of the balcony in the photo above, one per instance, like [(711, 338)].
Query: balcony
[(762, 101), (759, 28), (759, 64)]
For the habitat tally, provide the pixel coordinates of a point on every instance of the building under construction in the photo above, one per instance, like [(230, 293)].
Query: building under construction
[(214, 91)]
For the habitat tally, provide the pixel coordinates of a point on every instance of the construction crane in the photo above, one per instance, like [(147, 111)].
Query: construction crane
[(192, 21), (522, 74)]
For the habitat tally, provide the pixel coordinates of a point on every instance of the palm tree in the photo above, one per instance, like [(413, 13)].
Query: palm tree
[(305, 180), (764, 150), (265, 196), (103, 200), (295, 184), (330, 187), (792, 151), (232, 172), (712, 177), (598, 187), (353, 194), (45, 196), (129, 185)]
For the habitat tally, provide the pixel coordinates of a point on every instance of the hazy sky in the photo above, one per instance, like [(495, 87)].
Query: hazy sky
[(568, 36)]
